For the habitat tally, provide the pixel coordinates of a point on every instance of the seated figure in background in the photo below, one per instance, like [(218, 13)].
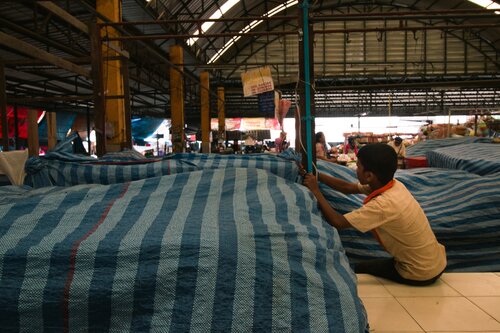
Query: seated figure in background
[(351, 147), (321, 149), (400, 149)]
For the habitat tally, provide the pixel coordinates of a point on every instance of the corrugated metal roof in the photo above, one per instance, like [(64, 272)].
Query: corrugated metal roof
[(367, 59)]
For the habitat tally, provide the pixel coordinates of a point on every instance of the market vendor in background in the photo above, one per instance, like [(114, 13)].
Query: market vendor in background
[(400, 149), (322, 152), (351, 147)]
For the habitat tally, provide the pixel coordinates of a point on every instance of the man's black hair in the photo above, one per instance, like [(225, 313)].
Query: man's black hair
[(379, 158)]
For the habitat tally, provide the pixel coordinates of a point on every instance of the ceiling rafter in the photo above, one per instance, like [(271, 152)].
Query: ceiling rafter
[(149, 60)]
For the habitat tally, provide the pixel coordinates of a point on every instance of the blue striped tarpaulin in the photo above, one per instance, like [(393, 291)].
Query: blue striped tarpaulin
[(478, 158), (463, 210), (421, 148), (215, 250), (62, 167), (61, 170)]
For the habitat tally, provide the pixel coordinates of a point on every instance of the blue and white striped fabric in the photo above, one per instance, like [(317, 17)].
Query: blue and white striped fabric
[(421, 148), (64, 172), (463, 210), (478, 158), (216, 250)]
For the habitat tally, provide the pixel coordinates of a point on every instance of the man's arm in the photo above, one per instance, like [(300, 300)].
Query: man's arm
[(332, 217), (338, 184)]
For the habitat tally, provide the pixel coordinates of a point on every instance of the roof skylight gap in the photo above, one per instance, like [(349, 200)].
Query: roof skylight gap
[(251, 26), (488, 4), (219, 12)]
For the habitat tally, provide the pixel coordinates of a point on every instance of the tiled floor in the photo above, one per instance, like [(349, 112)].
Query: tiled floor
[(458, 302)]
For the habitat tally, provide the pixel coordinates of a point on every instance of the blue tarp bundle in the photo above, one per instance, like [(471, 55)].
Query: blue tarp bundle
[(220, 249), (421, 148), (479, 158), (190, 242), (61, 167), (475, 155)]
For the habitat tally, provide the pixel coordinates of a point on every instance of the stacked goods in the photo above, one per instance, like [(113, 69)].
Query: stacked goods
[(459, 130), (439, 131)]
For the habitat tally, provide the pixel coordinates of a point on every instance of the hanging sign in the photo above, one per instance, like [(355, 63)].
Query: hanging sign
[(231, 124), (257, 81), (267, 104), (246, 124)]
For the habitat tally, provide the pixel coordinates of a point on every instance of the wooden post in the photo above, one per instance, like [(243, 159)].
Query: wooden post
[(221, 113), (33, 144), (128, 111), (88, 131), (475, 124), (113, 79), (98, 85), (3, 109), (205, 112), (51, 129), (177, 99)]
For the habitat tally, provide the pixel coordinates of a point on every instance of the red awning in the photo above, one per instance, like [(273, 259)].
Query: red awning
[(22, 124)]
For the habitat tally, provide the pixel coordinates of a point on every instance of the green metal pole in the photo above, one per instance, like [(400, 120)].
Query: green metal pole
[(307, 83)]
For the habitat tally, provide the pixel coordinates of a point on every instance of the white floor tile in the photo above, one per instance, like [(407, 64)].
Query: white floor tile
[(385, 314), (474, 284), (369, 286), (490, 305), (451, 314), (439, 288)]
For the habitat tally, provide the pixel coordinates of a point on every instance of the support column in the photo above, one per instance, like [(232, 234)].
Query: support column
[(98, 86), (205, 112), (177, 99), (304, 141), (88, 131), (51, 129), (33, 143), (127, 107), (221, 114), (3, 109), (116, 125)]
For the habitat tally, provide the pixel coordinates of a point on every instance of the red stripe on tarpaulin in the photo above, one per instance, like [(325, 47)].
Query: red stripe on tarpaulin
[(74, 250), (22, 125)]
